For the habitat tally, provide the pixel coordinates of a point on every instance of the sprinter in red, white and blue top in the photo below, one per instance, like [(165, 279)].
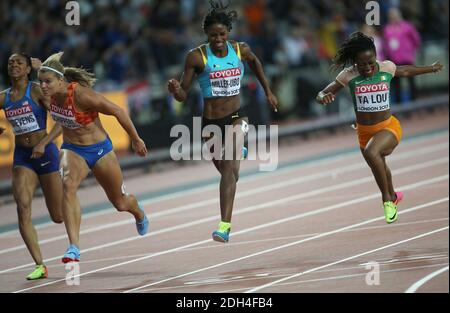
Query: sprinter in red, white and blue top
[(36, 157)]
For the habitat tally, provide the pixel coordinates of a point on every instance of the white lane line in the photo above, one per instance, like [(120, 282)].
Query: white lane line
[(284, 246), (248, 278), (253, 278), (281, 238), (412, 258), (273, 239), (239, 195), (271, 284), (344, 204), (269, 204), (339, 277), (424, 280), (265, 175), (243, 180)]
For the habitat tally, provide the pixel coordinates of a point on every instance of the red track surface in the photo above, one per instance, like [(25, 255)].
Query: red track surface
[(311, 227)]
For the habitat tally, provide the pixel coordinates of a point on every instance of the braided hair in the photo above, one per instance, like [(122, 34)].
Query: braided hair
[(218, 15), (356, 43)]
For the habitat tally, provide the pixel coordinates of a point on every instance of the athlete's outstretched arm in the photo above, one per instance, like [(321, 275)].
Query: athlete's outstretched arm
[(180, 89), (89, 100), (413, 70), (255, 64), (328, 95)]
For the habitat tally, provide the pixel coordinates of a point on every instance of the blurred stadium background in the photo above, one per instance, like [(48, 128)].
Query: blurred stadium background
[(134, 46)]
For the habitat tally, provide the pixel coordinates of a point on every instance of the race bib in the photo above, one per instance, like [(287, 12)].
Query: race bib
[(22, 119), (64, 116), (225, 83), (372, 97)]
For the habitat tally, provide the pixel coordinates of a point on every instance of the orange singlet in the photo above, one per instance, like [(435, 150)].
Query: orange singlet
[(68, 115)]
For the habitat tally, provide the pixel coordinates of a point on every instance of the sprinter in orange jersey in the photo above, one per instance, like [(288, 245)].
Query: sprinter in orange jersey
[(86, 145)]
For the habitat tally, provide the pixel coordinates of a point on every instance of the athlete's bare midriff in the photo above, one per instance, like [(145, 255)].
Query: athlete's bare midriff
[(216, 108), (30, 140), (85, 136), (372, 118)]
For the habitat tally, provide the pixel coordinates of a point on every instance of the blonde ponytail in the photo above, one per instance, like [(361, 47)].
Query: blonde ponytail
[(71, 74), (79, 75)]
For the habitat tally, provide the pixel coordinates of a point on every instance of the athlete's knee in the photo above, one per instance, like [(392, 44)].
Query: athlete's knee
[(222, 167), (387, 152), (371, 154), (236, 175), (24, 212), (229, 170), (54, 205), (57, 217), (226, 167), (70, 187)]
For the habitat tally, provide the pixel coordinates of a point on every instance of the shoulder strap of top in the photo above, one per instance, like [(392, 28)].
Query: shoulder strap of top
[(238, 52), (7, 96), (28, 92), (205, 60), (70, 94)]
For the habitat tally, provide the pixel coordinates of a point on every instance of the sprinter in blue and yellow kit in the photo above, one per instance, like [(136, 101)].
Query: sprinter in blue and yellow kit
[(36, 157), (219, 69)]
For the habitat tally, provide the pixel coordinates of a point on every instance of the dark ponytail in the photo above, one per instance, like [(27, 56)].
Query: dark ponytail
[(356, 43), (218, 14)]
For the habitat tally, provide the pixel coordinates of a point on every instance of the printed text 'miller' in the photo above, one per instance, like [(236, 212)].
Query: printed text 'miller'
[(225, 73), (61, 111), (26, 108), (372, 88)]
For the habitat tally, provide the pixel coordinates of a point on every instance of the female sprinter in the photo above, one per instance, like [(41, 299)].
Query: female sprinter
[(36, 157), (378, 131), (218, 65), (86, 145)]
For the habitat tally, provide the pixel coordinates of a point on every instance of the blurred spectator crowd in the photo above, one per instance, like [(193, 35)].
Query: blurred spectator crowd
[(124, 41)]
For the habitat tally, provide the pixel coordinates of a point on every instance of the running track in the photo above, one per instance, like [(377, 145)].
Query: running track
[(314, 225)]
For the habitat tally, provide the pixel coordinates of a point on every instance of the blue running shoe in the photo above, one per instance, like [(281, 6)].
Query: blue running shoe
[(142, 226), (221, 236), (72, 254), (244, 152)]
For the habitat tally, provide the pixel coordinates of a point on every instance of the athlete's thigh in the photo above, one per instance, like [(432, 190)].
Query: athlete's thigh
[(211, 141), (240, 128), (213, 144), (24, 183), (235, 135), (383, 142), (52, 188), (109, 175), (74, 168)]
